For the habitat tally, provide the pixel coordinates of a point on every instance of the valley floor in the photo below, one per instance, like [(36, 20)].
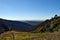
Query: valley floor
[(29, 36)]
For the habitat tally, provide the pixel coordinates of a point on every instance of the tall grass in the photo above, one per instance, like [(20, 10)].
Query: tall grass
[(30, 36)]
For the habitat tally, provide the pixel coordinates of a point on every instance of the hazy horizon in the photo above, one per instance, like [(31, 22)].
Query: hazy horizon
[(29, 9)]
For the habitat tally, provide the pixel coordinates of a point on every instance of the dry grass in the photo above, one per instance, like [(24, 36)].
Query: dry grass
[(29, 36)]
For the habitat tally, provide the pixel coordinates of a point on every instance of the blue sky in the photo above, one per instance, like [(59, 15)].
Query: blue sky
[(29, 9)]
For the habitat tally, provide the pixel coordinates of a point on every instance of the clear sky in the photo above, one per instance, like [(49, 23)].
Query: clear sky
[(29, 9)]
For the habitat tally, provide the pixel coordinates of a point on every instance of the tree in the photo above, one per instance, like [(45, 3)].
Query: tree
[(55, 16)]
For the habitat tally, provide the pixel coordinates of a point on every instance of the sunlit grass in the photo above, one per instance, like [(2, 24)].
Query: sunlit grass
[(29, 36)]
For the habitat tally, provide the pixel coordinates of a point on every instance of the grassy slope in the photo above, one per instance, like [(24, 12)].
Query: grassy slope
[(49, 25), (29, 36)]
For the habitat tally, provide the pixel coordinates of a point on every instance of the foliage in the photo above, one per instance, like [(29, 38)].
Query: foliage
[(51, 25)]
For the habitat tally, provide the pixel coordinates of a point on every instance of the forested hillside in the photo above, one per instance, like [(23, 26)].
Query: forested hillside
[(50, 25), (8, 25)]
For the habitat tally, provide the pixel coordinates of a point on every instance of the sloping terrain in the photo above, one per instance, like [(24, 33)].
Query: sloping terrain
[(49, 25), (7, 25), (47, 30)]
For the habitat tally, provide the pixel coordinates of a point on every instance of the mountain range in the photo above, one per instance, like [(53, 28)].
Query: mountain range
[(33, 23), (26, 26), (49, 25)]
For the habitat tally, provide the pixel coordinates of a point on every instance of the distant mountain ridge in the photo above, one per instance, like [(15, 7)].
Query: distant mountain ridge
[(7, 25), (33, 23)]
